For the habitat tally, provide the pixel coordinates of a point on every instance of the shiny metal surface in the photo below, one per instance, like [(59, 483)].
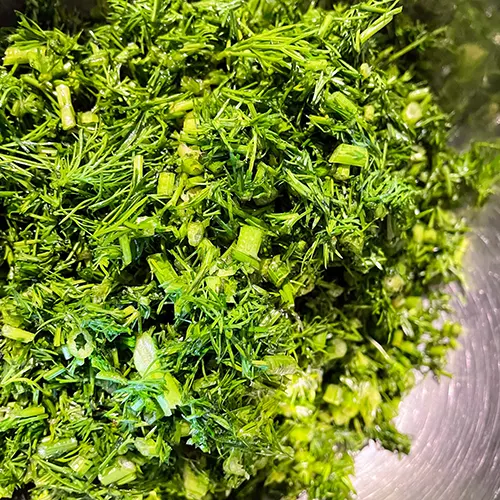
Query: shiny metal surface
[(454, 423)]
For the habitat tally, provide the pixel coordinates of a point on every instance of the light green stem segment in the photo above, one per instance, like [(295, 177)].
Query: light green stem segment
[(123, 471), (138, 170), (341, 105), (248, 245), (195, 484), (14, 333), (181, 107), (346, 154), (81, 465), (166, 184), (68, 118), (15, 55), (57, 448), (89, 118), (412, 113), (195, 233), (126, 249)]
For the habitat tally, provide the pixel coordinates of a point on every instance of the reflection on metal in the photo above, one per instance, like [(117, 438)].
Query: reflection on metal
[(455, 424)]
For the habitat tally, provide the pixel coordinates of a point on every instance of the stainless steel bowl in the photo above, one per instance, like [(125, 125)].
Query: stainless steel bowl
[(454, 423)]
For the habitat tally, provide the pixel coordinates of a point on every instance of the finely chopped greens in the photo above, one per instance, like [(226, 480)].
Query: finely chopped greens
[(225, 228)]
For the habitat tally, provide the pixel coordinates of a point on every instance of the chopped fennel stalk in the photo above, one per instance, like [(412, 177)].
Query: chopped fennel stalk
[(66, 107)]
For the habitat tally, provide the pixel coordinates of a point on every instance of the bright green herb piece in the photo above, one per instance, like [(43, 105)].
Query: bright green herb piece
[(145, 356), (81, 465), (346, 154), (341, 105), (248, 245), (123, 471), (17, 55), (171, 397), (66, 107), (189, 159), (14, 333), (166, 184), (80, 344), (196, 485), (369, 113), (51, 449), (146, 447), (377, 25), (419, 94), (412, 113), (89, 118), (126, 249), (333, 394), (54, 372), (195, 233), (180, 108)]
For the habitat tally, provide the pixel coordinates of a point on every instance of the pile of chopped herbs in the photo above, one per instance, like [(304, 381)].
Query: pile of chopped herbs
[(225, 227)]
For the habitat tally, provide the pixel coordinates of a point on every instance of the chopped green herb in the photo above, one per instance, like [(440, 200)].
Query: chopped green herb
[(218, 224), (350, 155)]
